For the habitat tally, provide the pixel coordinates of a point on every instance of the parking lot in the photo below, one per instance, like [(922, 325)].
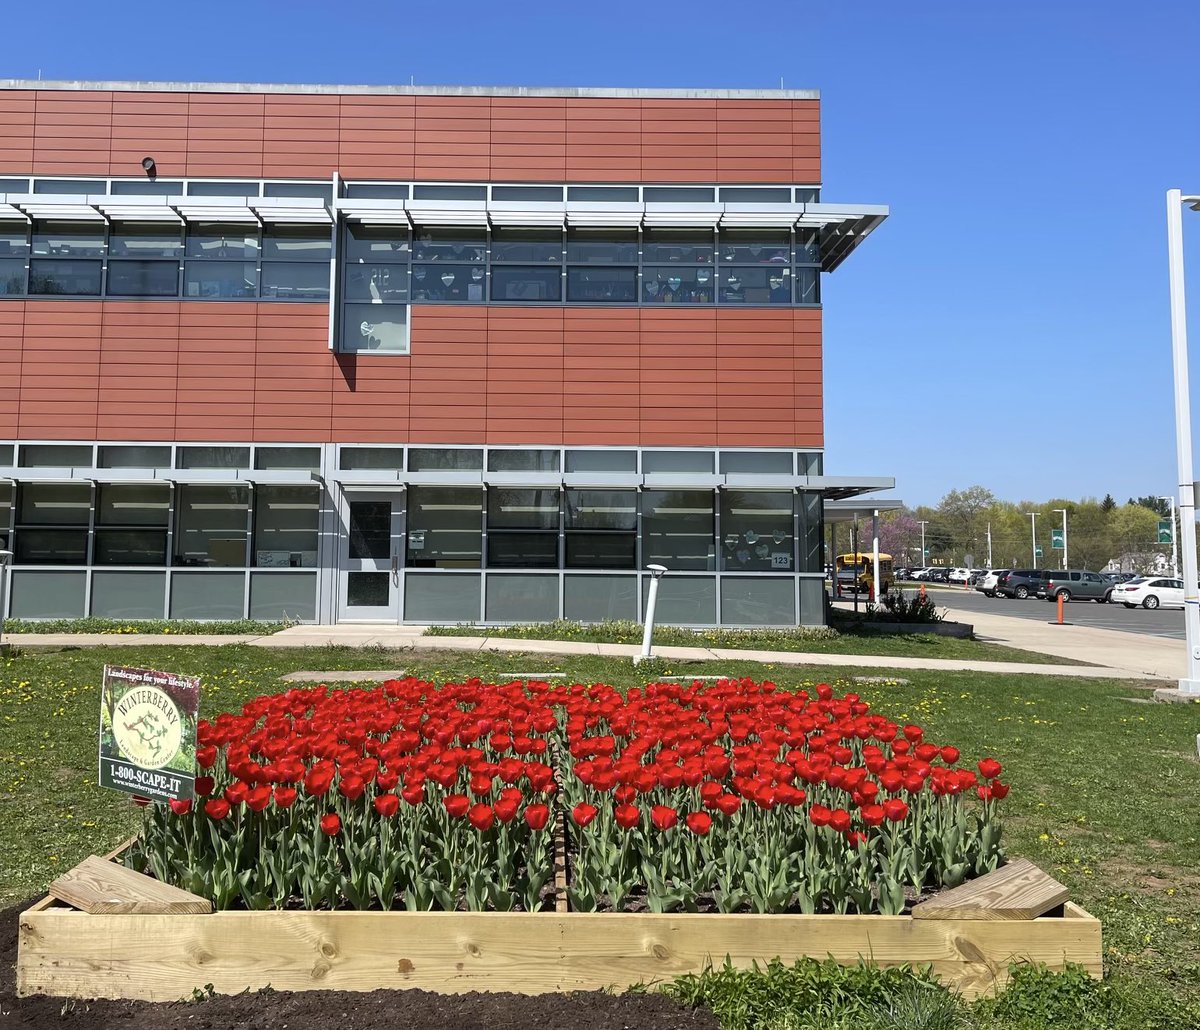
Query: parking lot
[(1164, 622)]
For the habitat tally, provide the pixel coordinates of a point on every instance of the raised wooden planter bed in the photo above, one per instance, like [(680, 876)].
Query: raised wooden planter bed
[(969, 937)]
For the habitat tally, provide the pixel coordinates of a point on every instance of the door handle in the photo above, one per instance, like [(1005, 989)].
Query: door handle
[(395, 570)]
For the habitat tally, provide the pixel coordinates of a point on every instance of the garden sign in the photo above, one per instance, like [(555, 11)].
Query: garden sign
[(148, 732)]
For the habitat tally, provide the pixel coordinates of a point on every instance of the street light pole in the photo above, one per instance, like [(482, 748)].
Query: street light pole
[(1033, 534), (1063, 512), (924, 555), (1183, 436)]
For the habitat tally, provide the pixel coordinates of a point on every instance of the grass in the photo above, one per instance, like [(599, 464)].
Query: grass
[(816, 640), (172, 627), (1103, 798)]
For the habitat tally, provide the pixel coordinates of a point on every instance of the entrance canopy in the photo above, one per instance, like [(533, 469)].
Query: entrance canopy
[(857, 511)]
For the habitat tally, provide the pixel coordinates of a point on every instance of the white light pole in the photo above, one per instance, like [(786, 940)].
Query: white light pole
[(657, 571), (924, 554), (1183, 436), (1033, 534), (989, 565), (1174, 538), (5, 558), (875, 555), (1063, 512)]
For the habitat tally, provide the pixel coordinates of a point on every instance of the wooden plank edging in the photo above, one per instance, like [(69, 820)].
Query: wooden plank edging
[(162, 958), (1017, 890)]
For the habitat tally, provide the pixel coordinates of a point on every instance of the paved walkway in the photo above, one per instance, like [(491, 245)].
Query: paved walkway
[(1115, 655)]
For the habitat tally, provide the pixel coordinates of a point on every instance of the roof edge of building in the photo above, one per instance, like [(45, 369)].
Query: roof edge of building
[(396, 90)]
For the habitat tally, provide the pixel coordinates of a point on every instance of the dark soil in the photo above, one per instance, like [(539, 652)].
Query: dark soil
[(342, 1010)]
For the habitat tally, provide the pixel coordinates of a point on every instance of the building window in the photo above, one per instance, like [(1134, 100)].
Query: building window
[(601, 529), (677, 246), (375, 288), (222, 262), (211, 525), (522, 529), (285, 526), (449, 266), (444, 459), (14, 251), (602, 266), (131, 524), (295, 263), (5, 514), (193, 457), (756, 531), (678, 529), (504, 459), (144, 261), (52, 524), (677, 285), (445, 527), (526, 265), (67, 259)]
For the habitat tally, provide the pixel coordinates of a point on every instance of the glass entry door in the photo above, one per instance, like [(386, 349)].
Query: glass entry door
[(372, 549)]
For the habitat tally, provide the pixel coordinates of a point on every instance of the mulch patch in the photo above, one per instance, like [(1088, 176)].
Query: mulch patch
[(343, 1010)]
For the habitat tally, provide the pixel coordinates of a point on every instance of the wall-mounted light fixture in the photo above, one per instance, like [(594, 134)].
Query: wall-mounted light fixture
[(149, 167)]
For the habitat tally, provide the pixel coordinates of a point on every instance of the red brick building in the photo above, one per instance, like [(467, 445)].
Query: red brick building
[(390, 353)]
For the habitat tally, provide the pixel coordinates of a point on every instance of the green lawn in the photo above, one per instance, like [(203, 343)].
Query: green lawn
[(1104, 794), (808, 641), (176, 627)]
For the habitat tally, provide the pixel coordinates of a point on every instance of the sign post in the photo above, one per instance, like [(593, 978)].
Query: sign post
[(148, 733), (5, 558)]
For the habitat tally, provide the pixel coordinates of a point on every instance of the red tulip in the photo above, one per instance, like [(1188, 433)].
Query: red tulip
[(663, 817), (728, 803), (583, 814), (414, 793), (506, 808), (699, 823), (537, 816), (872, 815), (839, 819), (331, 823), (181, 807), (950, 754), (627, 816), (387, 805), (216, 808), (895, 809), (456, 805), (913, 734), (285, 797), (999, 790), (319, 779), (989, 768), (351, 786), (481, 816), (206, 756), (258, 798), (819, 815), (204, 786)]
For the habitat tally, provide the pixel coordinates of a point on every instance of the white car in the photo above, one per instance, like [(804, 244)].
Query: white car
[(986, 583), (1150, 592), (959, 575)]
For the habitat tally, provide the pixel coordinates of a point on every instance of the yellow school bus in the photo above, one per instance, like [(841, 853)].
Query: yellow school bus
[(855, 573)]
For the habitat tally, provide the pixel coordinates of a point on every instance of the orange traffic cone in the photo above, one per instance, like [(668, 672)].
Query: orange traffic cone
[(922, 591)]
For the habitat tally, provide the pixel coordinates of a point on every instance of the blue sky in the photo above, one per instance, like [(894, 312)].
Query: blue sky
[(1008, 325)]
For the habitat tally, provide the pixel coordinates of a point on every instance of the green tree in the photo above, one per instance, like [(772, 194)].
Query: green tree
[(1108, 504), (963, 514)]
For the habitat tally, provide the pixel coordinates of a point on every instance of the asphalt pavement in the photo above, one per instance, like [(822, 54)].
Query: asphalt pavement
[(1165, 622)]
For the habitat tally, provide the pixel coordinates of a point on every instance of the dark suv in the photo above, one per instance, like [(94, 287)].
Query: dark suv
[(1021, 583)]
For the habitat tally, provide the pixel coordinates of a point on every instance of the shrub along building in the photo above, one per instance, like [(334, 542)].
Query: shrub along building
[(407, 354)]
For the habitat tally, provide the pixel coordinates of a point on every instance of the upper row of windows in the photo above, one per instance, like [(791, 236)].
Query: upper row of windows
[(415, 191), (388, 265)]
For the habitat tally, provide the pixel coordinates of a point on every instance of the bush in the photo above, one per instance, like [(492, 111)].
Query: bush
[(896, 606)]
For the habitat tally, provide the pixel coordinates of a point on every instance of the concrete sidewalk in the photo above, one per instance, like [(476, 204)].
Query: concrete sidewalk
[(1116, 655), (1136, 654)]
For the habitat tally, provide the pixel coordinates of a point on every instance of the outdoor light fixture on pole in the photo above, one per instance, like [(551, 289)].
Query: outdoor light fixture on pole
[(1174, 538), (657, 571), (5, 558), (1063, 512), (1033, 533), (924, 553), (1190, 684)]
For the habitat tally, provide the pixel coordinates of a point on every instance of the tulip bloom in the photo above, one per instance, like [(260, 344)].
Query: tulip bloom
[(331, 824), (387, 805), (537, 816), (627, 816), (481, 816), (583, 814), (216, 808), (989, 768), (699, 823), (456, 805), (285, 797), (663, 817), (181, 807)]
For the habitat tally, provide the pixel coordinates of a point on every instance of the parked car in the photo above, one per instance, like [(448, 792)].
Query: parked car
[(959, 575), (1074, 584), (937, 576), (1150, 592), (903, 574), (1118, 577), (1020, 583), (986, 583)]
